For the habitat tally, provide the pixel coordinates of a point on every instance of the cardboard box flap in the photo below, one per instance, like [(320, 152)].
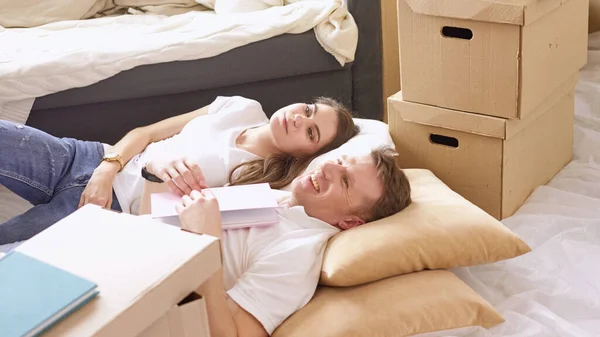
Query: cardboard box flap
[(518, 12), (449, 119), (514, 126), (476, 123)]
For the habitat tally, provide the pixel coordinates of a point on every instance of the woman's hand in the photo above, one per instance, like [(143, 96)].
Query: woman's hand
[(99, 189), (199, 213), (181, 175)]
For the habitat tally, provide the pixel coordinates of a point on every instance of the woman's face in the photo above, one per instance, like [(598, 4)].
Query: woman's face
[(303, 129)]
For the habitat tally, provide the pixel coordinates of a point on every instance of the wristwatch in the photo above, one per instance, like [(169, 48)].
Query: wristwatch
[(150, 177), (114, 157)]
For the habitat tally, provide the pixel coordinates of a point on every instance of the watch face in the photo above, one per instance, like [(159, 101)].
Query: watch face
[(110, 156)]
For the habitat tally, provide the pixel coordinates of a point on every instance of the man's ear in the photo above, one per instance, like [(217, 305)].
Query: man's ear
[(350, 222)]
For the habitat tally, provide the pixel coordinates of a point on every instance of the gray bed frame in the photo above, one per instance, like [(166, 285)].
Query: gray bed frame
[(276, 72)]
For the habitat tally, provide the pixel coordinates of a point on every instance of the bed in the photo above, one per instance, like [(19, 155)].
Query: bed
[(77, 78)]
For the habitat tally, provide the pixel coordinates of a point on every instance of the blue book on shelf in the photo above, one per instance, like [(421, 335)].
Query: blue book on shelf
[(35, 295)]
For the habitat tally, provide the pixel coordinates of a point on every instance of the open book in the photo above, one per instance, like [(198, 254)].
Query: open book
[(241, 206)]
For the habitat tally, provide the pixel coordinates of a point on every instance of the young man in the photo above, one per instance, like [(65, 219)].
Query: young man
[(269, 273)]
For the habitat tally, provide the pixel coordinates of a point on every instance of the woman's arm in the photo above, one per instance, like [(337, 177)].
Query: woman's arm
[(180, 176), (137, 139), (99, 189)]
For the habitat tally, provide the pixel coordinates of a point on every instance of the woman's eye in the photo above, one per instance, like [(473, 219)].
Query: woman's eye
[(307, 111), (311, 134)]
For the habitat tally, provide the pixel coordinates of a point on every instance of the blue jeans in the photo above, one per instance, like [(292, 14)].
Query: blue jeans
[(49, 172)]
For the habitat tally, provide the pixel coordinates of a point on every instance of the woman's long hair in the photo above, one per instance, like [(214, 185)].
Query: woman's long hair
[(279, 170)]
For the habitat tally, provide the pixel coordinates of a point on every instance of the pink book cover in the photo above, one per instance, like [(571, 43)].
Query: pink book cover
[(241, 206)]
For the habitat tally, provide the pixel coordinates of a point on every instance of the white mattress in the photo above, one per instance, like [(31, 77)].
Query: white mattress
[(554, 291)]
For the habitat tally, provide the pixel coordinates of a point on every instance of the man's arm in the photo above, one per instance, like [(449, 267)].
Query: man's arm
[(199, 213), (226, 318)]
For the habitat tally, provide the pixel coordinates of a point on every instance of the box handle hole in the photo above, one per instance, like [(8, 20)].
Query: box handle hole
[(457, 33), (190, 298), (443, 140)]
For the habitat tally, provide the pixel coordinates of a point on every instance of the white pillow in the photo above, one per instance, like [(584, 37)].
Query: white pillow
[(244, 6), (373, 134)]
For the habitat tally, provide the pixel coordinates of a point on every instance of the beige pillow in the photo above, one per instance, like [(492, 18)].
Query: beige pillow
[(32, 13), (403, 305), (439, 230)]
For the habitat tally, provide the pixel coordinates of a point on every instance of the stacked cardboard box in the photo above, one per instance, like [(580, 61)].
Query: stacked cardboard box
[(487, 96)]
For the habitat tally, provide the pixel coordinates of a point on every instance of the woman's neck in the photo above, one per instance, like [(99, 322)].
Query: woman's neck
[(257, 141)]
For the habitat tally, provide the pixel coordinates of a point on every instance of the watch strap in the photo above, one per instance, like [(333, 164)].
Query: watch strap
[(114, 158)]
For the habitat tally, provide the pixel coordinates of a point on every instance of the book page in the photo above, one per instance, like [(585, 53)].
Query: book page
[(231, 198)]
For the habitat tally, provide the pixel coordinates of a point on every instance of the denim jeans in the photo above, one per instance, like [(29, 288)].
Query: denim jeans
[(49, 172)]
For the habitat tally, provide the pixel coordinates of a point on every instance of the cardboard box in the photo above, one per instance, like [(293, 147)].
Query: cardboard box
[(494, 57), (143, 268), (493, 162), (594, 16), (187, 319)]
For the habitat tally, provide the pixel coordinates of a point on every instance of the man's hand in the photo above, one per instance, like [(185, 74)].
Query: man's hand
[(181, 175), (199, 213), (99, 189)]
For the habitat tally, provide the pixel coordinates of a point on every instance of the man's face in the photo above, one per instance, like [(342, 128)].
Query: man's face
[(336, 189)]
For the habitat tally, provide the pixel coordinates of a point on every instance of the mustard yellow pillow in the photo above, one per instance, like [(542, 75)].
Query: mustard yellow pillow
[(439, 230), (404, 305)]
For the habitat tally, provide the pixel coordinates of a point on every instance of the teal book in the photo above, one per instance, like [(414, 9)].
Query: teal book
[(35, 295)]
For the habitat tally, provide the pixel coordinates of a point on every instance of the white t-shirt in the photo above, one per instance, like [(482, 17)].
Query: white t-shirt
[(209, 140), (273, 271)]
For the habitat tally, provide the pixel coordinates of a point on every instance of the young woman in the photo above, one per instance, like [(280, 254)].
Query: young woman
[(231, 140)]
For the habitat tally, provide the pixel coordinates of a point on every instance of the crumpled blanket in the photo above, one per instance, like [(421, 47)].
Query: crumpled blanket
[(73, 53)]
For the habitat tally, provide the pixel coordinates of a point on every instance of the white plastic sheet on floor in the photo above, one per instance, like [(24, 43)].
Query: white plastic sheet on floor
[(554, 291)]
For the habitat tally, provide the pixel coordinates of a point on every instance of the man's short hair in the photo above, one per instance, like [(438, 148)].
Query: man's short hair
[(396, 187)]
